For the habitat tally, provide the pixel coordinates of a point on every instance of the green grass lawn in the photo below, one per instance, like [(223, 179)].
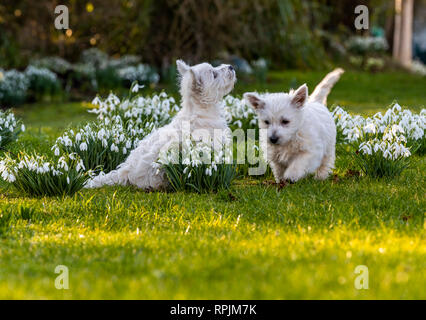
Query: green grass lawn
[(251, 242)]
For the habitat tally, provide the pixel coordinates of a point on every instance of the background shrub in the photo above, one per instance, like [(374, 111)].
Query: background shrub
[(292, 33), (13, 87), (42, 81)]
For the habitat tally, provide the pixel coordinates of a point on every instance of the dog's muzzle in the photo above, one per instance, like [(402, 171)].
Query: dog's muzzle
[(232, 74), (273, 139)]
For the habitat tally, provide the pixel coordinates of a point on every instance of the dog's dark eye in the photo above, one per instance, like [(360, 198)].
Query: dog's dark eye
[(266, 122), (214, 74), (285, 121)]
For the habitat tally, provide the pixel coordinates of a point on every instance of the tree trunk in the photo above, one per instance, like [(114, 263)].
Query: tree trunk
[(403, 32), (406, 53)]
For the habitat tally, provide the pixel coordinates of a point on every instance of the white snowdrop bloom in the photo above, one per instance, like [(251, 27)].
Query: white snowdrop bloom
[(96, 101), (83, 146), (63, 164), (406, 152), (22, 127), (80, 166), (104, 143), (11, 178), (124, 150), (377, 147), (387, 154), (370, 128), (417, 133), (135, 88), (365, 148), (396, 107), (78, 137), (238, 123), (46, 167), (5, 175), (68, 180), (67, 142), (101, 134)]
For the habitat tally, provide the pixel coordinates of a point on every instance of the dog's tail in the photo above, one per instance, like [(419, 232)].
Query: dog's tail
[(114, 177), (322, 90)]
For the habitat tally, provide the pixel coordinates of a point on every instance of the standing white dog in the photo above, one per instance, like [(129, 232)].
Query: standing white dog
[(301, 131), (202, 88)]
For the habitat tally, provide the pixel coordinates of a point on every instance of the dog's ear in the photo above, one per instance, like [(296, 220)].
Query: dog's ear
[(182, 67), (300, 96), (197, 82), (254, 100)]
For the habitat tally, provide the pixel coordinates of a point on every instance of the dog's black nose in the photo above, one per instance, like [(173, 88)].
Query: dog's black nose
[(231, 68), (273, 140)]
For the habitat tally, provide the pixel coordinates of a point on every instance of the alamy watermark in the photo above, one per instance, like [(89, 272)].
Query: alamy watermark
[(62, 20), (361, 281), (362, 21), (62, 280)]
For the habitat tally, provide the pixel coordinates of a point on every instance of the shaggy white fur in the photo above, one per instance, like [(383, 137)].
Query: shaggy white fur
[(301, 131), (202, 88)]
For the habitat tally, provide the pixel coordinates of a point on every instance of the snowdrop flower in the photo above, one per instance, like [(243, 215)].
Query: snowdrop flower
[(83, 146), (370, 128), (365, 148), (80, 166)]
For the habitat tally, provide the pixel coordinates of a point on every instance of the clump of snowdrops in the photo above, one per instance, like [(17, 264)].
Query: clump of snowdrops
[(36, 175), (238, 114), (198, 166), (381, 145), (10, 128), (121, 125)]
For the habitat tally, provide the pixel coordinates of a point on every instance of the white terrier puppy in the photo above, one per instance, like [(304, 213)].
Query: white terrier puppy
[(301, 131), (202, 88)]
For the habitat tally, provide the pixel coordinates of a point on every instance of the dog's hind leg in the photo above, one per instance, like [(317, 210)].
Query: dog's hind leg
[(326, 166), (114, 177)]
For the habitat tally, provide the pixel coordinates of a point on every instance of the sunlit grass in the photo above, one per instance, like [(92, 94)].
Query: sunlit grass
[(253, 241)]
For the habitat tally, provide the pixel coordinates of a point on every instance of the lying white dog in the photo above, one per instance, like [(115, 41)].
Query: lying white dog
[(301, 131), (202, 88)]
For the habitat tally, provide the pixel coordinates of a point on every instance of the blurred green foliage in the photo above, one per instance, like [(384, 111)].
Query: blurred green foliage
[(290, 33)]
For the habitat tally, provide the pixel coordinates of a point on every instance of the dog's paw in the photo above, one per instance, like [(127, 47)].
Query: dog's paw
[(322, 175), (294, 176)]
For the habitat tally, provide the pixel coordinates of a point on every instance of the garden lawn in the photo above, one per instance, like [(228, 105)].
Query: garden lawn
[(255, 241)]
